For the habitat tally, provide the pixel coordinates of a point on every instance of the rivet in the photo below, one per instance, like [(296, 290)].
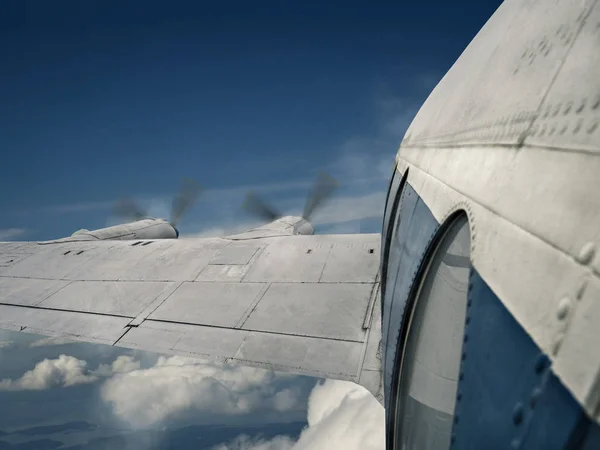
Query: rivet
[(459, 396), (552, 130), (464, 356), (587, 253), (581, 289), (596, 103), (518, 414), (452, 439), (556, 110), (546, 112), (461, 376), (564, 129), (535, 395), (592, 127), (466, 338), (467, 320), (541, 364), (580, 107), (563, 308), (568, 108), (557, 343), (455, 420), (577, 127)]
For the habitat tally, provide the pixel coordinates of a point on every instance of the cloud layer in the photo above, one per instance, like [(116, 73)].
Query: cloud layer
[(341, 416), (66, 371), (175, 384), (7, 234), (61, 372)]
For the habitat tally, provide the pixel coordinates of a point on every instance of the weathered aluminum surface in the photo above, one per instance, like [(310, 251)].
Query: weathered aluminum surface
[(511, 136), (302, 304)]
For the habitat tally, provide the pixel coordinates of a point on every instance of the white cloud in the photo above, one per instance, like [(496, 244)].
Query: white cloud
[(66, 371), (341, 416), (285, 400), (225, 229), (365, 159), (53, 340), (176, 384), (352, 208), (61, 372), (123, 364), (76, 207), (11, 233), (5, 344), (245, 442)]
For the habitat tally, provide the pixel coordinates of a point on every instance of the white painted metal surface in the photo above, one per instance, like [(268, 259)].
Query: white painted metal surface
[(301, 304), (522, 103)]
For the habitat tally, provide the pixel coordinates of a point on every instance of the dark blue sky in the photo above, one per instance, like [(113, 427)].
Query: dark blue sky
[(102, 99)]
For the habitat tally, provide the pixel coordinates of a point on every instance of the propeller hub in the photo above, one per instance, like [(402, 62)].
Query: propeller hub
[(181, 204), (303, 227), (322, 189)]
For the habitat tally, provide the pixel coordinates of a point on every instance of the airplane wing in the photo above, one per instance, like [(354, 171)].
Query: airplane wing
[(302, 304)]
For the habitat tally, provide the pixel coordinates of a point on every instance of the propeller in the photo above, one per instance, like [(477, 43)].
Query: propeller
[(322, 188), (182, 202)]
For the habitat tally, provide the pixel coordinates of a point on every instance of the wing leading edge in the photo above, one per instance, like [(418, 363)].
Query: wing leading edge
[(301, 304)]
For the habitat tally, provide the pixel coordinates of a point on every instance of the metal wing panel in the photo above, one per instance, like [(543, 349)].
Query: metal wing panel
[(31, 292), (180, 261), (327, 310), (302, 304), (302, 355), (118, 298), (210, 303), (82, 326), (290, 261)]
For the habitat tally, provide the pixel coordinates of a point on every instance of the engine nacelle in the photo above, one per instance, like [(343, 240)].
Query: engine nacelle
[(140, 229)]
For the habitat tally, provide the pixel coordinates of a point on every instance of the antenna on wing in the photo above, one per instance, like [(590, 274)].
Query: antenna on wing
[(322, 189), (128, 209)]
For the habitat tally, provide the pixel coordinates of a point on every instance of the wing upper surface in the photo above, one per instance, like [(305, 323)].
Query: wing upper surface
[(302, 304)]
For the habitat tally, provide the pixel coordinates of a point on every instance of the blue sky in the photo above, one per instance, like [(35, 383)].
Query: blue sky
[(105, 99), (102, 100)]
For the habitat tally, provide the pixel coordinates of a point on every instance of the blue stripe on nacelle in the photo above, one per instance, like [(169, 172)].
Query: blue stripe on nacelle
[(415, 230), (508, 396)]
